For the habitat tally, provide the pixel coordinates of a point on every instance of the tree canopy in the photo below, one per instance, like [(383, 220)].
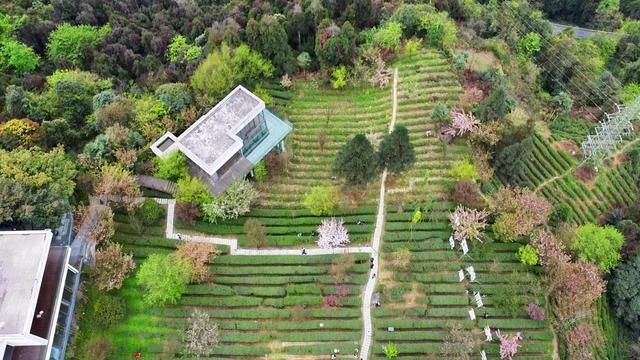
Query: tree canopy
[(625, 292), (35, 186), (599, 245), (396, 150), (357, 162), (168, 288)]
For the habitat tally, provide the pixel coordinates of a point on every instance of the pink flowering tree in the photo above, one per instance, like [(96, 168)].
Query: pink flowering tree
[(535, 312), (332, 234), (509, 345), (461, 123), (467, 223), (342, 291)]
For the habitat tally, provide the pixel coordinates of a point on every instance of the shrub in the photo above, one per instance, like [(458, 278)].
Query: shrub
[(198, 255), (464, 170), (235, 201), (599, 245), (412, 45), (466, 193), (172, 166), (16, 101), (191, 189), (187, 212), (528, 255), (440, 114), (118, 187), (150, 212), (112, 267), (164, 278), (18, 132), (108, 310), (339, 77), (116, 112), (388, 36), (260, 171), (396, 151), (390, 350), (321, 200), (256, 232), (440, 30)]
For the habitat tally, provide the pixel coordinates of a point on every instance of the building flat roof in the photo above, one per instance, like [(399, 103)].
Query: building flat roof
[(212, 140), (23, 257)]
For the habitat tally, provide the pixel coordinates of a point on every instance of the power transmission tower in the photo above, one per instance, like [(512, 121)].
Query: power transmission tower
[(611, 131)]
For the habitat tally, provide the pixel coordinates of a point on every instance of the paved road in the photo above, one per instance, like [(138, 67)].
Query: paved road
[(579, 32)]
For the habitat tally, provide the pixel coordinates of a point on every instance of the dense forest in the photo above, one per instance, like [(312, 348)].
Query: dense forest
[(87, 86)]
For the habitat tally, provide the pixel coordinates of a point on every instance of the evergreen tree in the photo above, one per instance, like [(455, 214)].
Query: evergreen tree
[(496, 106), (357, 162), (396, 151)]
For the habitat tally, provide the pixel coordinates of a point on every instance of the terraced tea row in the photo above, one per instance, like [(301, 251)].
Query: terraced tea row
[(271, 305), (324, 120), (612, 186), (425, 79), (423, 300)]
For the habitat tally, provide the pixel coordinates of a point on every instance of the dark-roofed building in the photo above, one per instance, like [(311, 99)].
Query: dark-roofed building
[(37, 286), (229, 140)]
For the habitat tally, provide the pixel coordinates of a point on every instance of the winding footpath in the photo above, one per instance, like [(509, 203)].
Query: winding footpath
[(373, 250)]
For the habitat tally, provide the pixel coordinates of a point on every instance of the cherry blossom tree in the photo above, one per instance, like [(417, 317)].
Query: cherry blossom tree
[(575, 286), (461, 123), (332, 234), (535, 312), (458, 344), (519, 212), (551, 251), (509, 345), (468, 224), (202, 335), (331, 301)]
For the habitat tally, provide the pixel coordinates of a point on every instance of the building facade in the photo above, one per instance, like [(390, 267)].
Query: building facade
[(229, 140), (38, 286)]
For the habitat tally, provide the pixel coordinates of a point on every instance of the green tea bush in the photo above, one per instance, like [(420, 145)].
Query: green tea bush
[(108, 310)]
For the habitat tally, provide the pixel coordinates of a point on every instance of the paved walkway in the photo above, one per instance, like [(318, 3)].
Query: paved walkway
[(373, 250)]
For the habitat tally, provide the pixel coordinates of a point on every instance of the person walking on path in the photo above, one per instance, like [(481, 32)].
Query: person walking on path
[(304, 251)]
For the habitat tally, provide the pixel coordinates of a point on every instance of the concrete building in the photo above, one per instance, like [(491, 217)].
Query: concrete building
[(229, 140), (37, 294)]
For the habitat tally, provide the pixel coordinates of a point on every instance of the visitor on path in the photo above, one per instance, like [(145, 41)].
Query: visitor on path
[(374, 276), (371, 265), (304, 251), (179, 236)]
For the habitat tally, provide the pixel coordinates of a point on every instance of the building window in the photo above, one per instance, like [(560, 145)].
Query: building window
[(252, 134)]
